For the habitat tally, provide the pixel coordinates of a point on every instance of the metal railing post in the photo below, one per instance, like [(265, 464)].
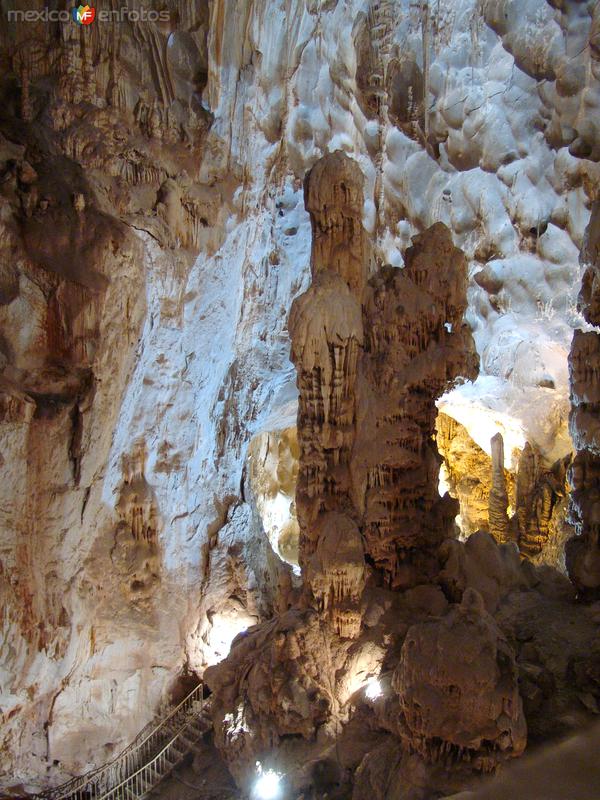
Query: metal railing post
[(132, 767)]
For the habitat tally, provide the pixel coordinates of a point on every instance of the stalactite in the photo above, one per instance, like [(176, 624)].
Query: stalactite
[(539, 493), (409, 358)]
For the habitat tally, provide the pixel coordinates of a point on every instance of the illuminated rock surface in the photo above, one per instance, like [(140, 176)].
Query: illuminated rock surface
[(161, 472)]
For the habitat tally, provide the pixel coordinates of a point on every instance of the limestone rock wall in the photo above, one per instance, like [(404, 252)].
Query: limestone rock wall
[(154, 232), (583, 551)]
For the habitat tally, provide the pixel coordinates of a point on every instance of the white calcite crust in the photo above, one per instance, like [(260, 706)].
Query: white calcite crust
[(198, 363)]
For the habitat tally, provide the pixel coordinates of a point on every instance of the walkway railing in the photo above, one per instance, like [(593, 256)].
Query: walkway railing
[(147, 776), (131, 762)]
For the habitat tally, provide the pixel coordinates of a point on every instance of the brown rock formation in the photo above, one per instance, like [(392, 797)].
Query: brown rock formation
[(366, 421), (487, 492), (457, 684), (275, 686), (386, 588), (415, 347), (131, 381), (498, 502), (333, 195), (336, 572), (468, 470), (371, 360), (583, 551), (540, 505), (326, 329), (135, 555), (390, 82), (100, 135), (482, 565)]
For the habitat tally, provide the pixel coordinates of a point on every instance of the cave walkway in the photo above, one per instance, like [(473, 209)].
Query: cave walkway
[(147, 761)]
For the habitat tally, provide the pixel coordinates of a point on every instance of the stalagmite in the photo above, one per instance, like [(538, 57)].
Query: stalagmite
[(498, 515), (251, 256)]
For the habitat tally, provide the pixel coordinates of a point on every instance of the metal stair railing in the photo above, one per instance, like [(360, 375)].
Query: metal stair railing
[(140, 752), (149, 774)]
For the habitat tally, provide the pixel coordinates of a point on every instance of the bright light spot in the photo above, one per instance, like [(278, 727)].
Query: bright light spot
[(267, 787), (235, 723), (448, 326), (462, 536), (226, 625), (277, 510), (373, 689), (296, 569), (482, 408), (443, 481)]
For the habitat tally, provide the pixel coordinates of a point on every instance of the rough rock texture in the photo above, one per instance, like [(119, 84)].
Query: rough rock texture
[(583, 551), (467, 473), (526, 504), (371, 360), (153, 235), (103, 214), (416, 346), (541, 493), (457, 683), (386, 588), (568, 768), (368, 380)]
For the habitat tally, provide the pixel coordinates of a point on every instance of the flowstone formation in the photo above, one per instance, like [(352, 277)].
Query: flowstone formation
[(454, 634), (371, 357), (100, 201), (154, 233), (583, 551), (457, 684)]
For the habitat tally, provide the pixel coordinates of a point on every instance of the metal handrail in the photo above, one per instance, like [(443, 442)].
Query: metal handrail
[(85, 787), (137, 777)]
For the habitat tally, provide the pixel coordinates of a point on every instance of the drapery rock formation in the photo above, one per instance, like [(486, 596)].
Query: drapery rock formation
[(371, 359), (368, 383), (457, 683), (540, 507), (336, 571), (101, 200), (583, 551), (526, 504), (415, 348)]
